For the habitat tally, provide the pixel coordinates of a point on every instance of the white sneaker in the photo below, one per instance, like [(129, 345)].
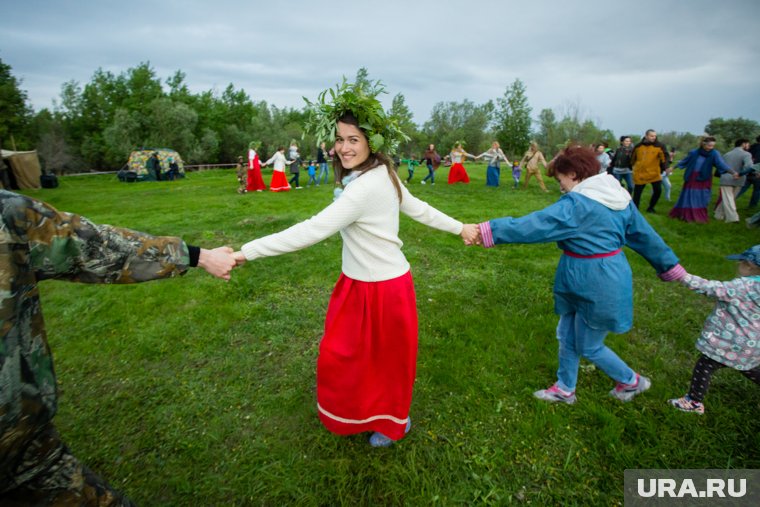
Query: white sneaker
[(423, 182), (299, 188), (626, 392), (554, 394)]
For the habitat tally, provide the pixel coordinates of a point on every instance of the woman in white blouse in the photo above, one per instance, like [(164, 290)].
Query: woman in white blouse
[(368, 354)]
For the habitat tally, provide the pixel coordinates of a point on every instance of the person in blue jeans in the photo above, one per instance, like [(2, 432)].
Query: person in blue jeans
[(621, 163), (753, 180), (322, 157), (593, 286), (432, 160)]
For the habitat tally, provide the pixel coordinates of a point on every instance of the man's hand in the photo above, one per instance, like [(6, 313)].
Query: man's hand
[(217, 262)]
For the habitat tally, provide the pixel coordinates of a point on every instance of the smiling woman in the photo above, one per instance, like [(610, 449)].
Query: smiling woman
[(368, 354)]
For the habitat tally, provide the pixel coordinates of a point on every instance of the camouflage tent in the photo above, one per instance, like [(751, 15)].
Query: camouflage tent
[(139, 158)]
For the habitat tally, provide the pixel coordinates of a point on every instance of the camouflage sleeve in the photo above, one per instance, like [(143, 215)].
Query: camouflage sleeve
[(68, 246)]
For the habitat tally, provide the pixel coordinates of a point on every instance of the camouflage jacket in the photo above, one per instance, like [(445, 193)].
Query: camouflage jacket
[(37, 243)]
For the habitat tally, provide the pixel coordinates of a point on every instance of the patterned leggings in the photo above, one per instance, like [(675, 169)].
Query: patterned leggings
[(703, 372)]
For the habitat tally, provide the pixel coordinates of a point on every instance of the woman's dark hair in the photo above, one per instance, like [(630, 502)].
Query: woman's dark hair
[(707, 139), (375, 159), (574, 159), (623, 138)]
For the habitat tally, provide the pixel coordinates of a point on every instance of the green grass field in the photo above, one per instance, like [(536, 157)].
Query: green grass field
[(193, 391)]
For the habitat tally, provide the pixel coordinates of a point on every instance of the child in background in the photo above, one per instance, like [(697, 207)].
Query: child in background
[(516, 172), (411, 164), (312, 174), (293, 151), (731, 333), (295, 166), (241, 171)]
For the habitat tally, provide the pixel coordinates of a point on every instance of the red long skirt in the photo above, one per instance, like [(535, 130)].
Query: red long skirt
[(457, 174), (368, 357), (255, 181), (279, 182)]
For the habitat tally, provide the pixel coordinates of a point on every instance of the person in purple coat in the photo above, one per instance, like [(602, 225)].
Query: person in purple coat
[(593, 286)]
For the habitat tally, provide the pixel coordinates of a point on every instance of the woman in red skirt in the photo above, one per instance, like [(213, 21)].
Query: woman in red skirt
[(279, 180), (255, 181), (457, 173), (368, 354)]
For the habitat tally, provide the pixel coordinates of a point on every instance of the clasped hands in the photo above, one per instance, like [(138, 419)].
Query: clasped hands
[(471, 234), (220, 261)]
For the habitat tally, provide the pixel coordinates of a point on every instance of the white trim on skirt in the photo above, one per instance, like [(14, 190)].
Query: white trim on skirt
[(362, 421)]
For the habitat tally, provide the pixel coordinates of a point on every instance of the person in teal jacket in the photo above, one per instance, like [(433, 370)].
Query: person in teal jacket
[(411, 165)]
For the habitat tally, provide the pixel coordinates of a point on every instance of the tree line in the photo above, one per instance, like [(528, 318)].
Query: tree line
[(96, 125)]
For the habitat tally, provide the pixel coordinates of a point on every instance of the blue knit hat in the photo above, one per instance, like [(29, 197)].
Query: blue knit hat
[(751, 254)]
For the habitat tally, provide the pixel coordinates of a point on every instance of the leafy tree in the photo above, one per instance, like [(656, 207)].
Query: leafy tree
[(122, 136), (512, 122), (451, 122), (87, 111), (547, 134), (15, 112), (178, 90), (573, 127), (142, 87), (205, 149), (400, 110), (171, 125)]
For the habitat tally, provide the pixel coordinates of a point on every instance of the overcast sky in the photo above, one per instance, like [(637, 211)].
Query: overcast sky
[(629, 66)]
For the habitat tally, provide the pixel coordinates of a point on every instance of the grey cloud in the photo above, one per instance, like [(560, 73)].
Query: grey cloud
[(631, 65)]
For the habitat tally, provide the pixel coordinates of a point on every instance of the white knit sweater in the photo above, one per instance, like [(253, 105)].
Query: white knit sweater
[(366, 214), (278, 161)]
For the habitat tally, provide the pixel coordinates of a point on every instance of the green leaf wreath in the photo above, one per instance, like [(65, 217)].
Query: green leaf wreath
[(383, 131)]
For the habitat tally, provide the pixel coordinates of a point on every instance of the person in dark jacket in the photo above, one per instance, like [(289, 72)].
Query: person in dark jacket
[(153, 166), (621, 163), (753, 178)]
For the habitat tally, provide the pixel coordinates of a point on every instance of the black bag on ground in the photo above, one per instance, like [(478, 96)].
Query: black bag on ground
[(49, 180)]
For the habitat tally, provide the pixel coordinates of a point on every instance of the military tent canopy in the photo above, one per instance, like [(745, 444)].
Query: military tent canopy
[(138, 161), (24, 169)]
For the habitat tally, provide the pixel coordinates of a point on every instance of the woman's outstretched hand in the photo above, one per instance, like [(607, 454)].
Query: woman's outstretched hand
[(471, 234), (239, 258)]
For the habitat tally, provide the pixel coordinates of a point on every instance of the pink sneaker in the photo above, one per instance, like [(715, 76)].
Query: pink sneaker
[(555, 394), (626, 392)]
